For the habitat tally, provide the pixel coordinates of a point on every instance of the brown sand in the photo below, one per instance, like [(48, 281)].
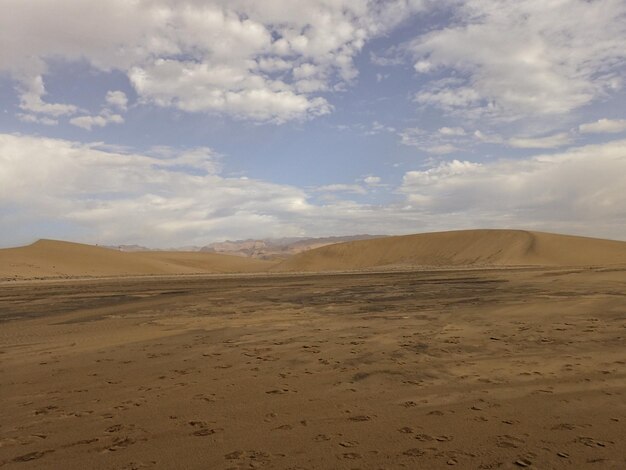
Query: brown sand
[(479, 248), (51, 258), (448, 369), (461, 248)]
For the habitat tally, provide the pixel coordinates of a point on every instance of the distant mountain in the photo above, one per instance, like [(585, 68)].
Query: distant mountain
[(128, 248), (478, 248), (269, 248), (277, 248)]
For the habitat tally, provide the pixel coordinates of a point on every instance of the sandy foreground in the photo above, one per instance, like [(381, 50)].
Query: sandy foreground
[(499, 368)]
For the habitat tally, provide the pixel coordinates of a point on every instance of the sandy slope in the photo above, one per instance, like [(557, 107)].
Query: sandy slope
[(461, 248), (50, 258)]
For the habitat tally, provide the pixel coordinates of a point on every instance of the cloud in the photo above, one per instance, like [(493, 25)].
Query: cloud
[(118, 197), (444, 141), (452, 131), (113, 99), (603, 126), (551, 141), (196, 87), (33, 119), (341, 188), (372, 180), (443, 149), (448, 140), (423, 66), (268, 61), (569, 191), (522, 59), (449, 99), (378, 128), (100, 194), (117, 99), (101, 120), (32, 91)]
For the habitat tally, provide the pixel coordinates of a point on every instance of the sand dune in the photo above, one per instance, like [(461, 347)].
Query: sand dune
[(461, 248), (51, 258)]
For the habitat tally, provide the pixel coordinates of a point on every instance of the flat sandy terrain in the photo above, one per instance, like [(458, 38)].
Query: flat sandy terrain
[(465, 369)]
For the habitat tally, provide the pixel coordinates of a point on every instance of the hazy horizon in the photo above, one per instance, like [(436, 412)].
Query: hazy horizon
[(168, 124)]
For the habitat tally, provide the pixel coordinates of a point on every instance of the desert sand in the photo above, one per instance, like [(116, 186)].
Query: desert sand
[(487, 365), (461, 248), (61, 259)]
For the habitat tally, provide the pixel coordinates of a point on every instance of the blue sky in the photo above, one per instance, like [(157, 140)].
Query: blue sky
[(175, 123)]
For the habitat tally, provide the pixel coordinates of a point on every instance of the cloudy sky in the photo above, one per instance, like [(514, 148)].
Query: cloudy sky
[(169, 123)]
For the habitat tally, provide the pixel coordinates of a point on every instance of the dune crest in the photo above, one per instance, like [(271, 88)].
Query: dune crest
[(461, 248), (53, 258)]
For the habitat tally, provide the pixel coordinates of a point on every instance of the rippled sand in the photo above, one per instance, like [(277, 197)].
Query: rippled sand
[(471, 368)]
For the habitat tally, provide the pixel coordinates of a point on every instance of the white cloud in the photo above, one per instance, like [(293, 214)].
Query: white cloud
[(603, 126), (524, 59), (101, 120), (33, 119), (32, 91), (378, 128), (166, 198), (266, 61), (449, 98), (442, 149), (448, 140), (117, 99), (551, 141), (118, 197), (199, 87), (341, 188), (423, 66), (452, 131), (577, 191), (372, 180), (441, 142), (488, 138)]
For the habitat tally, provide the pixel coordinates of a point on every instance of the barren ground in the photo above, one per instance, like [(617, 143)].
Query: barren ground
[(473, 369)]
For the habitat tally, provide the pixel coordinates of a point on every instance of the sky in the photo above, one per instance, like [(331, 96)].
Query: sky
[(172, 123)]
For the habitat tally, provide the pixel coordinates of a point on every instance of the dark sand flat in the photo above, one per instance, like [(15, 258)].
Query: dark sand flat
[(448, 369)]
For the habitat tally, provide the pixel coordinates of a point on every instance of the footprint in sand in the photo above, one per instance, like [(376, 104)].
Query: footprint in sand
[(204, 429), (414, 452), (348, 444), (204, 432), (254, 457), (114, 428), (121, 443), (506, 441), (284, 427), (360, 418), (32, 455)]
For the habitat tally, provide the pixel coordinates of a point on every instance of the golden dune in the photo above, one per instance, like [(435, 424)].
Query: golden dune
[(51, 258), (378, 368), (460, 248)]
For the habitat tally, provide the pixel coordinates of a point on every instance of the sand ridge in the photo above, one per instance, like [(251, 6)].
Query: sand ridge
[(461, 248), (53, 258), (470, 248)]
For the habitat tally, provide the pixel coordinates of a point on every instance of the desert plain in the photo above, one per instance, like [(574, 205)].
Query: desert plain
[(480, 349)]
